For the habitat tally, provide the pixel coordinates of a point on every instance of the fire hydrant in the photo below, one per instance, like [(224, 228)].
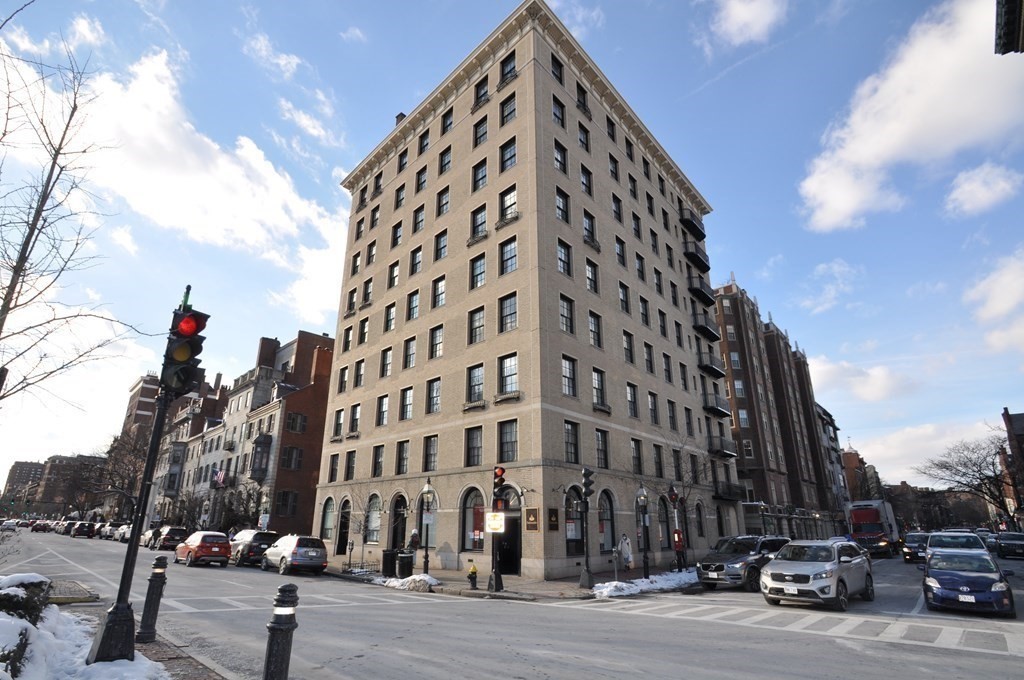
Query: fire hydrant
[(472, 577)]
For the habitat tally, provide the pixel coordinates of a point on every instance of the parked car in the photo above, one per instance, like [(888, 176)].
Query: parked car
[(738, 561), (914, 546), (296, 552), (953, 540), (107, 530), (9, 525), (123, 533), (170, 536), (967, 580), (1009, 544), (248, 545), (203, 547), (66, 527), (86, 529), (825, 572), (41, 526)]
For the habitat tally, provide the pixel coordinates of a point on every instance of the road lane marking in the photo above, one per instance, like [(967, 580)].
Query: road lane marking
[(178, 606)]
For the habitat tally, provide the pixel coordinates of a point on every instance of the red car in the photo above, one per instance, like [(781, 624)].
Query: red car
[(203, 547)]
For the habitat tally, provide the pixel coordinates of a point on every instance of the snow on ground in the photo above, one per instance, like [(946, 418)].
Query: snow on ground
[(58, 648), (411, 583), (670, 580)]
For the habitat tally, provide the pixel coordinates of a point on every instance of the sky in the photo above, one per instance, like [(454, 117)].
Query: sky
[(864, 161)]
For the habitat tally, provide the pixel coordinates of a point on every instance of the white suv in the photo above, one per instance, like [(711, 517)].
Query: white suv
[(825, 572)]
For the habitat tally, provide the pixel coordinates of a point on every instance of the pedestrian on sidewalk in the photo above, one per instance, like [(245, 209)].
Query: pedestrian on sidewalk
[(626, 551), (414, 544)]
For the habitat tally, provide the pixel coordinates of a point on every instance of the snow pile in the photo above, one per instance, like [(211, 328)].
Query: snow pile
[(16, 580), (671, 580), (419, 582)]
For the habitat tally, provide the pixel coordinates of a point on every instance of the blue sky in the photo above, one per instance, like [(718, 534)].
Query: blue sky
[(863, 158)]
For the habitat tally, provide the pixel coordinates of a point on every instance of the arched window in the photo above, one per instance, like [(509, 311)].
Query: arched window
[(372, 534), (573, 523), (606, 522), (327, 520), (473, 521), (664, 533), (720, 511), (699, 519), (399, 512)]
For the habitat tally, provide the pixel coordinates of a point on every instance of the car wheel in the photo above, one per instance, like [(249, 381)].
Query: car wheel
[(224, 564), (264, 565), (753, 580), (176, 557), (282, 568), (772, 601), (239, 562), (709, 586), (188, 560), (842, 600), (869, 589)]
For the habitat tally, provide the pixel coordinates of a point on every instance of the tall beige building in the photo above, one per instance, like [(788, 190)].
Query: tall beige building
[(526, 285)]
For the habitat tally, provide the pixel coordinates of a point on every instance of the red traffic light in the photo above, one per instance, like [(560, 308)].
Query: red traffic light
[(499, 476), (188, 324)]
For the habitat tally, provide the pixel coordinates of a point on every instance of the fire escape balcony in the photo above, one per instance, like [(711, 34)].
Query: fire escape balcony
[(704, 324), (701, 290), (721, 446), (697, 256), (692, 223), (727, 491), (717, 404), (710, 364)]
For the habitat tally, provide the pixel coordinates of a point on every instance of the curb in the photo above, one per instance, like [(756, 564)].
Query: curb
[(85, 595)]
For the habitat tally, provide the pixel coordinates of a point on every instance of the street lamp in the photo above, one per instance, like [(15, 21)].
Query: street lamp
[(641, 501), (677, 534), (762, 509), (427, 494)]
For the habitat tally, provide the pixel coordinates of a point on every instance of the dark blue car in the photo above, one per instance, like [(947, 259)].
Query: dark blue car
[(967, 580)]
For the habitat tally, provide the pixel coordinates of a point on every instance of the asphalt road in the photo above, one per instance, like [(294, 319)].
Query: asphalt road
[(351, 630)]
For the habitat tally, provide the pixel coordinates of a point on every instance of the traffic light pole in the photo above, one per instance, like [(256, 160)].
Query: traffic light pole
[(115, 635), (586, 578)]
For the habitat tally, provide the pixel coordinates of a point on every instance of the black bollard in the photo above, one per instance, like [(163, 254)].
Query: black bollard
[(279, 633), (157, 580)]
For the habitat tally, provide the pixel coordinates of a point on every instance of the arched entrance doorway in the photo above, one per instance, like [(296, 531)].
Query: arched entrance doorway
[(399, 513), (344, 519), (510, 543)]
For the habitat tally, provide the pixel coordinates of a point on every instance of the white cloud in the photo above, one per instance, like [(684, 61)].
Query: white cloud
[(913, 111), (307, 123), (767, 272), (923, 289), (21, 39), (738, 22), (578, 18), (871, 384), (86, 31), (835, 279), (979, 189), (259, 48), (122, 236), (353, 34), (896, 453), (1000, 292)]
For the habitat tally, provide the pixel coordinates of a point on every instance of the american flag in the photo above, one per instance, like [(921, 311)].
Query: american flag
[(220, 477)]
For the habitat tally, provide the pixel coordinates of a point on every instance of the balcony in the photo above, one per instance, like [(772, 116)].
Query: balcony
[(697, 256), (727, 491), (721, 446), (701, 290), (717, 404), (229, 445), (710, 364), (692, 223), (704, 324)]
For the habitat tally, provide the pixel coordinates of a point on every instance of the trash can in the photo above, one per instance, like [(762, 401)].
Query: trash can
[(387, 564), (404, 564)]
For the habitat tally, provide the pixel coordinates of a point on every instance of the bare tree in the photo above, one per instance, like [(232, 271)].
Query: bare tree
[(122, 472), (972, 467), (43, 230)]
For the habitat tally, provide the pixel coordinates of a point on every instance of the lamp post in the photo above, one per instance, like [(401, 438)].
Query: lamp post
[(762, 509), (641, 501), (427, 494), (677, 535)]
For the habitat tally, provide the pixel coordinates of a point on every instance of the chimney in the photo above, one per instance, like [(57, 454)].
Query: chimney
[(399, 118)]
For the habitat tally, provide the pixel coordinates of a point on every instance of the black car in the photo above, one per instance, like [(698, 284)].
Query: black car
[(914, 545), (248, 546), (1010, 544), (738, 561), (86, 529)]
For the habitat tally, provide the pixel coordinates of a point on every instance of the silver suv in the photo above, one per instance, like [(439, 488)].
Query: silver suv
[(737, 561), (825, 572), (296, 552)]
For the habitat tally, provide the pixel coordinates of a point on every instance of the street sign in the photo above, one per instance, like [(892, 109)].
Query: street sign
[(495, 522), (428, 518), (264, 522)]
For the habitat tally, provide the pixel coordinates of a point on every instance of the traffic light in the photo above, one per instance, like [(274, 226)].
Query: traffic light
[(588, 482), (499, 478), (184, 343), (673, 495)]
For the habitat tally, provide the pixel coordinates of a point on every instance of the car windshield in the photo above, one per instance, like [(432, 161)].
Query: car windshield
[(978, 564), (176, 532), (955, 541), (310, 543), (867, 528), (1011, 537), (737, 546), (805, 553), (915, 539), (215, 539)]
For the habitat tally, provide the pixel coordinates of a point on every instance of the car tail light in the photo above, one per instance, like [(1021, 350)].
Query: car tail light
[(295, 551)]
